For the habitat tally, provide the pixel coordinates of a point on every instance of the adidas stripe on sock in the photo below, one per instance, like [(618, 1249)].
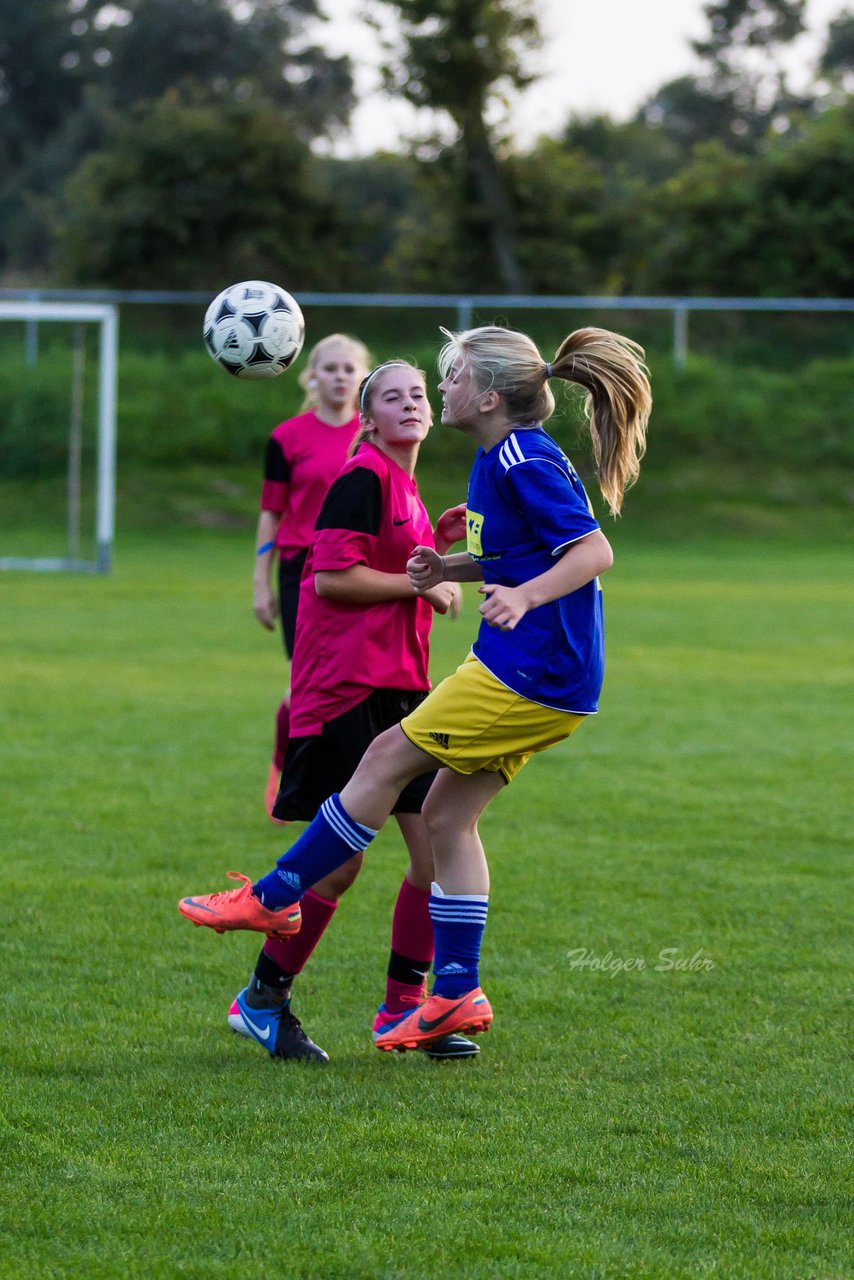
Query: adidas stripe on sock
[(332, 838)]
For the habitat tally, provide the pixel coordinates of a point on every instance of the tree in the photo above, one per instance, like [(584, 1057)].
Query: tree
[(777, 224), (200, 195), (837, 59), (40, 45), (258, 49), (97, 58), (462, 57), (736, 25), (743, 91)]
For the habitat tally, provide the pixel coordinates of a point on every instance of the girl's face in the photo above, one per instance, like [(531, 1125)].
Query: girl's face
[(338, 373), (399, 412), (458, 395)]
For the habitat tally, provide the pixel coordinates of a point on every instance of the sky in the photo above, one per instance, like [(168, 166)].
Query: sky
[(602, 57)]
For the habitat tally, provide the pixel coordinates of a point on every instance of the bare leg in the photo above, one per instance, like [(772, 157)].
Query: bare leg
[(451, 812), (390, 762), (339, 880), (414, 831)]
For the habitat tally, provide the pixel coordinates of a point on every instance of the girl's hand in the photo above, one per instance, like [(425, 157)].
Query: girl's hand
[(445, 598), (451, 526), (264, 606), (504, 606), (425, 569)]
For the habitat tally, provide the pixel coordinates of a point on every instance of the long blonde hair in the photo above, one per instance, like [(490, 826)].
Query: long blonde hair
[(609, 366), (306, 379)]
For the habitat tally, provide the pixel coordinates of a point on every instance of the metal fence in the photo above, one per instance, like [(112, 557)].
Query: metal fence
[(464, 305)]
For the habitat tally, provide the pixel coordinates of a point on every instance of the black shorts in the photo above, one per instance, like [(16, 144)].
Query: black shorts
[(324, 763), (290, 572)]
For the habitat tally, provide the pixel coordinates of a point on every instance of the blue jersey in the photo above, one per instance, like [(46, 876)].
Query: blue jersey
[(526, 506)]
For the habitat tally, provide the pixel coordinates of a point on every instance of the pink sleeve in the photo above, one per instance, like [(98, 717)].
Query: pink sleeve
[(341, 549)]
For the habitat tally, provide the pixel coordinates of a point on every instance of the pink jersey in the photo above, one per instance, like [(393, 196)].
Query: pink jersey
[(372, 515), (304, 455)]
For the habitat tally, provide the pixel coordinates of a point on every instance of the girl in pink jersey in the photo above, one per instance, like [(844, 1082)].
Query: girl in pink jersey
[(304, 454), (359, 665)]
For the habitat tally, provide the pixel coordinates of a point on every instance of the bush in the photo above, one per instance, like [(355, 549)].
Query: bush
[(721, 412), (178, 410)]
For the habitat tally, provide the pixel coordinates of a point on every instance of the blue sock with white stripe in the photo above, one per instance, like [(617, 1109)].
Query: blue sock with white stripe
[(458, 924), (331, 839)]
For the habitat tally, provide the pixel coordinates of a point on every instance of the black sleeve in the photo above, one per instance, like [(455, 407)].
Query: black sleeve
[(354, 502), (276, 466)]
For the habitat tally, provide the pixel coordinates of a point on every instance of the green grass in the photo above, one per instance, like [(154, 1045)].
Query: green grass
[(626, 1124)]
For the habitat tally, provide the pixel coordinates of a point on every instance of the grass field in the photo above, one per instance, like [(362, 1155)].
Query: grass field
[(625, 1118)]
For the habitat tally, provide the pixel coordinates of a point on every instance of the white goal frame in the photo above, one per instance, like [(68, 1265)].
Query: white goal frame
[(106, 317)]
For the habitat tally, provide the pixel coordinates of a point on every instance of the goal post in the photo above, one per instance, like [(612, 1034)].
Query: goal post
[(106, 317)]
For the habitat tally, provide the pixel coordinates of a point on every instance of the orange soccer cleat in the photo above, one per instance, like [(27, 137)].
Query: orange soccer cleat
[(438, 1017), (240, 909)]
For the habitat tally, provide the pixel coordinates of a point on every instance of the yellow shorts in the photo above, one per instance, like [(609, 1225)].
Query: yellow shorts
[(472, 721)]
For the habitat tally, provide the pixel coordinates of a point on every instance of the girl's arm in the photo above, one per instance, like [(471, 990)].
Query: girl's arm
[(426, 568), (364, 586), (579, 564), (263, 597)]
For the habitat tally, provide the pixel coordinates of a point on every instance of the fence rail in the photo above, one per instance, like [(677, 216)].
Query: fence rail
[(464, 305)]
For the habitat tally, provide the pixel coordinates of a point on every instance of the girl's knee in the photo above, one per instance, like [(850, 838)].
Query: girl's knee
[(382, 753), (436, 817)]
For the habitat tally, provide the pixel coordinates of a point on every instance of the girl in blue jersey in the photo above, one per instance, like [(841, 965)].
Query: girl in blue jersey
[(535, 670)]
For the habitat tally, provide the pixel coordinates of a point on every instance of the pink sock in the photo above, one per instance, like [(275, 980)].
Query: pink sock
[(411, 926), (400, 997), (283, 728), (411, 937), (291, 954)]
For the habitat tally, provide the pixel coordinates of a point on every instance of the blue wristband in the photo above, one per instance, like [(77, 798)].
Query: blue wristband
[(262, 550)]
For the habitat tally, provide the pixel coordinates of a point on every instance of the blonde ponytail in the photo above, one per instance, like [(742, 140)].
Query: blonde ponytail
[(609, 366), (611, 369)]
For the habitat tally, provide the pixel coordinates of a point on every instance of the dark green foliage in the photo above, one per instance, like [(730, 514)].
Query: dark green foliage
[(780, 224), (230, 55), (459, 58), (206, 193), (837, 59), (34, 422), (185, 131), (758, 417), (379, 201), (570, 220), (753, 24), (100, 59)]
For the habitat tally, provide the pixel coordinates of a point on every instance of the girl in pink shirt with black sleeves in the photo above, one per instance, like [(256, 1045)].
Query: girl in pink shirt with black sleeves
[(303, 457)]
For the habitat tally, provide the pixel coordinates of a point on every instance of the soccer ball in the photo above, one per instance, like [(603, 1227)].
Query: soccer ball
[(254, 329)]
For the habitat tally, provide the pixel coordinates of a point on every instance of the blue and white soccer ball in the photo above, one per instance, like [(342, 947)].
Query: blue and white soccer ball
[(254, 329)]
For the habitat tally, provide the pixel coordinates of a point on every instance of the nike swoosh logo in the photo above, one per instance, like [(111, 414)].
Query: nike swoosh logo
[(200, 906), (430, 1024), (262, 1035), (406, 521)]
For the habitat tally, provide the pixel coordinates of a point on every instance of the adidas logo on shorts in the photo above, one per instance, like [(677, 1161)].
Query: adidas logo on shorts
[(443, 739)]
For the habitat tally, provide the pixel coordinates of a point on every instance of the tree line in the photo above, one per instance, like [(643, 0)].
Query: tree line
[(150, 143)]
